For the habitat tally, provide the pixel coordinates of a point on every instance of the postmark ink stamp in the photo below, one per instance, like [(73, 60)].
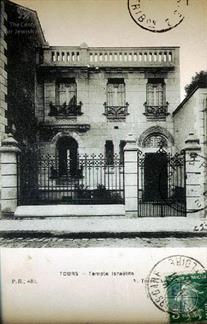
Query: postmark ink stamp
[(157, 16), (170, 278)]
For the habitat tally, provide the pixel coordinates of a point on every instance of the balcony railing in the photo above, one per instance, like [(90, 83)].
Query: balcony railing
[(84, 56), (116, 112), (65, 110), (156, 112)]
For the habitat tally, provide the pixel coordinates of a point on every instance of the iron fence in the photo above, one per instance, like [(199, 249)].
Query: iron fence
[(84, 180)]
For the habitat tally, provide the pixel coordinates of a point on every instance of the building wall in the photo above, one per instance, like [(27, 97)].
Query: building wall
[(191, 118), (23, 39), (91, 90), (3, 69)]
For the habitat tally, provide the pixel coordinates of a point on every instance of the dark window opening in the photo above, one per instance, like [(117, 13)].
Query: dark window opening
[(67, 149), (109, 152), (121, 151)]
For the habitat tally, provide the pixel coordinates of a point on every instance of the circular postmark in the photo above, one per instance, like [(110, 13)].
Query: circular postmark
[(157, 16), (172, 287)]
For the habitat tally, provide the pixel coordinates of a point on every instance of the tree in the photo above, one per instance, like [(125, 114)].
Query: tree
[(200, 79)]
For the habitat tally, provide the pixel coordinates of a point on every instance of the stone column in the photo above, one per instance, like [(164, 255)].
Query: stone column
[(194, 181), (9, 151), (130, 175)]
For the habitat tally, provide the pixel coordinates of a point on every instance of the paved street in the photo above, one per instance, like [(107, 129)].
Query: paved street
[(58, 242)]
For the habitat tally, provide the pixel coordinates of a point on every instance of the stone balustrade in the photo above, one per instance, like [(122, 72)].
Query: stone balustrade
[(110, 56)]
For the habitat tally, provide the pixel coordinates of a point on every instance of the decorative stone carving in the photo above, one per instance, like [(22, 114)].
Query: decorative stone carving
[(116, 112)]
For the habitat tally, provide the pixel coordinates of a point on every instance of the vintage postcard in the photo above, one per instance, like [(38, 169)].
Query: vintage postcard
[(103, 145), (102, 285)]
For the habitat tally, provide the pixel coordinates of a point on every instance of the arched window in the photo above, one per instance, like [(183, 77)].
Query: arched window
[(67, 150), (155, 140)]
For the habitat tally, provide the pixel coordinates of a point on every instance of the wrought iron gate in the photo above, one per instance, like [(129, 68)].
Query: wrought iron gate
[(87, 180), (161, 184)]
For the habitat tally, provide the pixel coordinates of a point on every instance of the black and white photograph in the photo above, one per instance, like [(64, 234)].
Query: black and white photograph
[(103, 150)]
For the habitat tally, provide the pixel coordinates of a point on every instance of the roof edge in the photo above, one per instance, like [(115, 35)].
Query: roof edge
[(199, 86)]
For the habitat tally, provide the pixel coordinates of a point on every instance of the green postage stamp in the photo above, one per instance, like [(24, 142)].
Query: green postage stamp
[(187, 297)]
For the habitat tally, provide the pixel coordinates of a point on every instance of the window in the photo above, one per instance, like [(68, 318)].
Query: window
[(65, 100), (109, 152), (116, 92), (121, 151), (156, 92), (66, 92), (67, 149)]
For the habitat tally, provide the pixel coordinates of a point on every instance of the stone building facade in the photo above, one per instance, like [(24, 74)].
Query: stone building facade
[(97, 96), (97, 125)]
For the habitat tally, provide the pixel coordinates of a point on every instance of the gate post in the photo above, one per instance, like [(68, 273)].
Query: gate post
[(194, 178), (9, 151), (130, 174)]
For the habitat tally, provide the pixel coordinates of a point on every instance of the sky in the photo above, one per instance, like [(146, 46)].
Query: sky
[(108, 23)]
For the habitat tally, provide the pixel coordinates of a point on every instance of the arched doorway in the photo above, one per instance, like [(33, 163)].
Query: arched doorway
[(161, 176), (155, 164), (67, 151)]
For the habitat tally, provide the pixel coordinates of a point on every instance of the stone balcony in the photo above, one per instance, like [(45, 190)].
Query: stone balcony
[(97, 57)]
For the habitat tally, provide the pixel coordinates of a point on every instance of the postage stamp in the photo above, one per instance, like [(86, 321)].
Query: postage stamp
[(187, 297), (157, 15), (168, 294)]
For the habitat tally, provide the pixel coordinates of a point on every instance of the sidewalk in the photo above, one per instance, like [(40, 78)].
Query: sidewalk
[(104, 226)]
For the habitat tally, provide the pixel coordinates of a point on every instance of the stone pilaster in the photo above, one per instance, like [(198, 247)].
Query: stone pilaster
[(9, 151), (130, 174)]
